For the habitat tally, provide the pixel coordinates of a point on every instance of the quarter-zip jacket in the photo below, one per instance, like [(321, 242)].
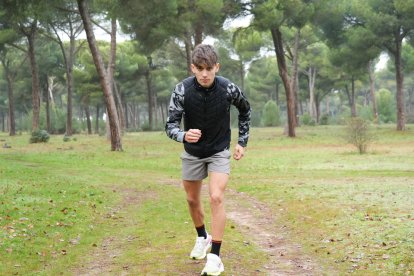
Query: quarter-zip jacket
[(207, 109)]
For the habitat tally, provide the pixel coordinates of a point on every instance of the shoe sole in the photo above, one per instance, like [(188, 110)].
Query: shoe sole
[(201, 257), (212, 274)]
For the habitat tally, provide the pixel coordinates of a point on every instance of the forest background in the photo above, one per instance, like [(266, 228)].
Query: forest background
[(309, 205), (299, 62)]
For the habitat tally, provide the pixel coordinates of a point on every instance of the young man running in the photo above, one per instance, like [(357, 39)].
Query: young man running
[(204, 101)]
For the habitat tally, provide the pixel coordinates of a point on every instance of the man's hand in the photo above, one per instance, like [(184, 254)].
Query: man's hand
[(192, 135), (238, 152)]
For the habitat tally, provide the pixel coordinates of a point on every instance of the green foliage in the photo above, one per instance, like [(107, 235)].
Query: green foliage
[(271, 114), (365, 112), (39, 136), (386, 106), (307, 120), (324, 119), (358, 134)]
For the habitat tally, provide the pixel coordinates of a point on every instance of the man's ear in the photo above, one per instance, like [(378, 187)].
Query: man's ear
[(217, 67), (193, 68)]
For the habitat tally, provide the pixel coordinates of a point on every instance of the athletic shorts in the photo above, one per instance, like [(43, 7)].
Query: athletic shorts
[(195, 168)]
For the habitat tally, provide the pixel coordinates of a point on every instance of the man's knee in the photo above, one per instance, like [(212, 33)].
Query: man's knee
[(216, 198), (193, 202)]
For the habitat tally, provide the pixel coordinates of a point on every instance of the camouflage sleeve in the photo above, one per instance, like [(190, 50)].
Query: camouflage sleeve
[(239, 100), (175, 113)]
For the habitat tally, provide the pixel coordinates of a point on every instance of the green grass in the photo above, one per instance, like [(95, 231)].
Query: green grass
[(355, 213), (59, 201)]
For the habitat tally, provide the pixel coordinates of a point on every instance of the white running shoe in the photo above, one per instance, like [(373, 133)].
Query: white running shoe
[(214, 265), (202, 245)]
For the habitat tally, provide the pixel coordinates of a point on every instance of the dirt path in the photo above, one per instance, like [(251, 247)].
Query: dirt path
[(259, 223), (101, 261), (254, 219)]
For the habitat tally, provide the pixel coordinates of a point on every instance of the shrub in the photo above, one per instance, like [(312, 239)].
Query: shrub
[(358, 134), (66, 138), (386, 106), (324, 120), (271, 116), (307, 120), (39, 136)]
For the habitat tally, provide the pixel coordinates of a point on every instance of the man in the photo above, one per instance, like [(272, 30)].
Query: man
[(204, 101)]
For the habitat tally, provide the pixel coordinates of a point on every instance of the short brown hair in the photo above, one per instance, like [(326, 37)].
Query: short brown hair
[(204, 54)]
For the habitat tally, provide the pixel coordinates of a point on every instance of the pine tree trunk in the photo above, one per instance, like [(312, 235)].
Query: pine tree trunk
[(12, 123), (47, 99), (88, 118), (283, 72), (372, 90), (35, 79), (150, 100), (400, 85), (188, 49), (105, 81), (312, 77), (69, 72), (97, 119), (295, 75), (353, 107)]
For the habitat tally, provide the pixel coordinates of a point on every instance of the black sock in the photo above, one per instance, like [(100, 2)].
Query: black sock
[(201, 231), (215, 247)]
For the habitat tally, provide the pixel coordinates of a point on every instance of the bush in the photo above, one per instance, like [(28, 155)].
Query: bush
[(307, 120), (271, 116), (386, 106), (358, 134), (324, 120), (39, 136)]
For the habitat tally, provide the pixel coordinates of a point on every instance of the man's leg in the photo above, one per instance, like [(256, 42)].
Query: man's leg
[(193, 190), (203, 241), (217, 185)]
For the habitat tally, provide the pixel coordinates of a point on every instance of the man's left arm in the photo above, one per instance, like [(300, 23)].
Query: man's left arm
[(240, 101)]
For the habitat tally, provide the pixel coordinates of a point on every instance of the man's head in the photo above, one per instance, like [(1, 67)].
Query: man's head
[(204, 64)]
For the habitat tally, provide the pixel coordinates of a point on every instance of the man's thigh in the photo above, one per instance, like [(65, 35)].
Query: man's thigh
[(193, 168), (219, 162)]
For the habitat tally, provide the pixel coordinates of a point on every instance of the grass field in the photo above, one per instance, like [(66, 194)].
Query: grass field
[(75, 207)]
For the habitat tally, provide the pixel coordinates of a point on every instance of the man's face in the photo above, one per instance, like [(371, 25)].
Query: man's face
[(205, 75)]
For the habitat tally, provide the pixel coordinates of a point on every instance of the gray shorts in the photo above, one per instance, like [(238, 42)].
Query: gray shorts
[(195, 168)]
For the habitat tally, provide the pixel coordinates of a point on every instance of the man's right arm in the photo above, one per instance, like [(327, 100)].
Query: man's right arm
[(175, 113)]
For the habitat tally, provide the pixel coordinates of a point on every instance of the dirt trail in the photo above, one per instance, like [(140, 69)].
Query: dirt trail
[(254, 219), (259, 223), (105, 253)]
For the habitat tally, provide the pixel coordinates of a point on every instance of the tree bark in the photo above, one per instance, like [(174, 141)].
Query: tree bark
[(48, 122), (311, 81), (120, 107), (35, 78), (88, 118), (283, 73), (69, 72), (400, 85), (150, 94), (188, 49), (97, 119), (372, 90), (9, 76), (295, 75), (105, 81), (353, 107), (198, 35), (12, 122)]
